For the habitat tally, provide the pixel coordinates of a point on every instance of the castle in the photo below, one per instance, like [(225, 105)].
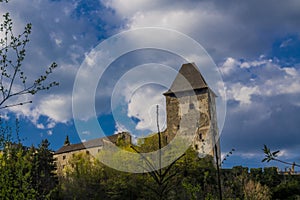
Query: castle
[(189, 93)]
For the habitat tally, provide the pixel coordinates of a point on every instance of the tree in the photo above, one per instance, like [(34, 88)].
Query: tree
[(25, 173), (161, 177), (255, 191), (15, 173), (289, 190), (45, 180), (82, 178), (13, 80)]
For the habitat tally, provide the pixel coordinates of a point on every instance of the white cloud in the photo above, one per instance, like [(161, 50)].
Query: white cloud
[(285, 43), (229, 65), (263, 77), (120, 128), (249, 155), (290, 71), (142, 106), (49, 132), (242, 93), (50, 123), (4, 116), (86, 133), (56, 107), (40, 126), (254, 63)]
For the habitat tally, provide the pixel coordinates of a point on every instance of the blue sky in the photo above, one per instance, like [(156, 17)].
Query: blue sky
[(255, 45)]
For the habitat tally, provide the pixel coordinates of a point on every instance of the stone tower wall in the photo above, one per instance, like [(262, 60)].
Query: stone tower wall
[(200, 105)]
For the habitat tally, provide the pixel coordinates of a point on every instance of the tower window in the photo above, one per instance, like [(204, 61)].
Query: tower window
[(200, 136), (192, 106)]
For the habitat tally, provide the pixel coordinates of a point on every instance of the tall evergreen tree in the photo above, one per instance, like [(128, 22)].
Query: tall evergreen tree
[(44, 178)]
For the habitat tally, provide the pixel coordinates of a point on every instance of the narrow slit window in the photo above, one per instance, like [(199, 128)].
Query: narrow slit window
[(192, 106)]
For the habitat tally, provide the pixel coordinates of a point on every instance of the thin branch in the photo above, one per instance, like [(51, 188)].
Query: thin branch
[(17, 104), (147, 161), (288, 163)]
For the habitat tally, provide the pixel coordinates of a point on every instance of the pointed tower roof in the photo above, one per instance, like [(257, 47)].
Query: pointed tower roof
[(67, 141), (188, 78)]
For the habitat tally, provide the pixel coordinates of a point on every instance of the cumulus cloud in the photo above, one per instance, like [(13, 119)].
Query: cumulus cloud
[(64, 37), (58, 108), (229, 65), (225, 29), (263, 102), (142, 106), (242, 93), (262, 77)]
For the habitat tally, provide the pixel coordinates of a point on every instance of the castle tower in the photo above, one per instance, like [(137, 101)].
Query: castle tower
[(190, 93)]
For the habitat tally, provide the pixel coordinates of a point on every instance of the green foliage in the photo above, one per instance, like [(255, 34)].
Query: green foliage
[(45, 180), (15, 173), (287, 190), (82, 178), (25, 173), (189, 178), (86, 178), (255, 191), (273, 156), (269, 155)]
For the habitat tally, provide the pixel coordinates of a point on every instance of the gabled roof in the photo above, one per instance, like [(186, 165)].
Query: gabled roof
[(88, 144), (79, 146), (188, 78)]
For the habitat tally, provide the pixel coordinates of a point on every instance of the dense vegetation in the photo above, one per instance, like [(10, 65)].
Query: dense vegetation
[(191, 178), (30, 173), (27, 173)]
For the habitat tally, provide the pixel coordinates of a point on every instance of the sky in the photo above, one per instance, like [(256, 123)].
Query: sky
[(254, 45)]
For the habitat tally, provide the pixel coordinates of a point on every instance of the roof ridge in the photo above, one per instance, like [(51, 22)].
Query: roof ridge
[(188, 78)]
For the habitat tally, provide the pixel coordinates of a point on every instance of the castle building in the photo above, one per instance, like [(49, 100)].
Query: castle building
[(92, 147), (189, 93)]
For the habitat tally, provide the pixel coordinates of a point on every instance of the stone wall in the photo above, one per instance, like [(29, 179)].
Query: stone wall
[(198, 109)]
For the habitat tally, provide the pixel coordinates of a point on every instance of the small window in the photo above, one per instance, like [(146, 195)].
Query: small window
[(196, 147), (64, 157), (200, 136), (87, 152), (192, 106)]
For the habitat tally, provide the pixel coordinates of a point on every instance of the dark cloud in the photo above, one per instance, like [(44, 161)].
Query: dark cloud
[(242, 29), (269, 120)]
